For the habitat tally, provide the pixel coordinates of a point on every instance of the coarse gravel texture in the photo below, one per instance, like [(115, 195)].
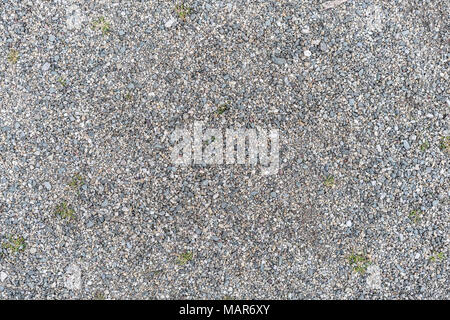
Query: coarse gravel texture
[(91, 90)]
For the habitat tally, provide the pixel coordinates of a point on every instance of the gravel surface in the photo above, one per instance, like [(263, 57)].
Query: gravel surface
[(91, 206)]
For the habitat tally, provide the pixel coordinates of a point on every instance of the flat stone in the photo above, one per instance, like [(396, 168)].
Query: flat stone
[(72, 279), (45, 66), (279, 61), (406, 145), (3, 276), (171, 22)]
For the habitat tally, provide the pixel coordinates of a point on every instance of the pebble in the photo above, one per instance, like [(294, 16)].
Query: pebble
[(406, 145), (3, 276), (45, 66), (279, 61)]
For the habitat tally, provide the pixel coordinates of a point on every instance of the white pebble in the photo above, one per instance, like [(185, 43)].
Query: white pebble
[(3, 276), (306, 30), (72, 279), (170, 22), (45, 66)]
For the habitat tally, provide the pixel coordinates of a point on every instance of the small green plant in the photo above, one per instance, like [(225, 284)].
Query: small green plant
[(13, 56), (184, 258), (444, 144), (424, 146), (155, 273), (128, 97), (329, 181), (62, 81), (415, 215), (437, 256), (64, 211), (99, 295), (222, 108), (359, 262), (182, 11), (15, 244), (101, 24), (76, 182), (207, 142)]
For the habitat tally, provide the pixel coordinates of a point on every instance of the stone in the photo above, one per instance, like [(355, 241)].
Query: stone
[(3, 276), (373, 277), (47, 185), (45, 66), (279, 61), (72, 278), (171, 22)]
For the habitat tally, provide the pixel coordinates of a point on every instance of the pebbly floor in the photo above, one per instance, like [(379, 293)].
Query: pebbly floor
[(92, 207)]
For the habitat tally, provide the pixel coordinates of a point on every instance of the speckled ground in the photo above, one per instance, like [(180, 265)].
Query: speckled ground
[(91, 206)]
